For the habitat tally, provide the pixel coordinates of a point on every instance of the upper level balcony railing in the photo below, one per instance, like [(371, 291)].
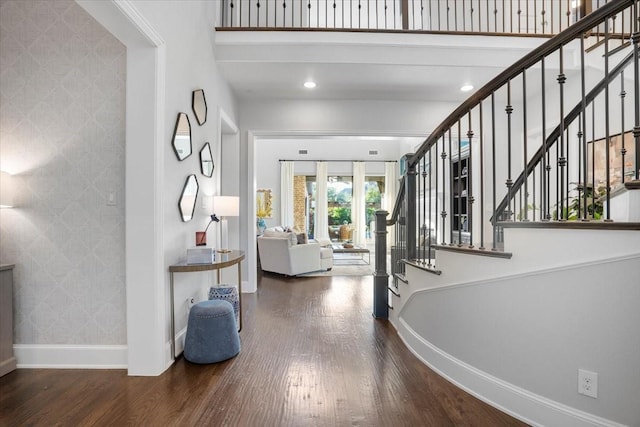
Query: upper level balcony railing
[(513, 17)]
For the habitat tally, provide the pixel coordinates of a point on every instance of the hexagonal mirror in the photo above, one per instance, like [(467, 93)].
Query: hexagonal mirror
[(206, 160), (199, 105), (187, 203), (182, 137)]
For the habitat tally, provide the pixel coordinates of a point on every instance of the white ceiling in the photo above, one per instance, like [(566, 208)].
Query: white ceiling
[(362, 66)]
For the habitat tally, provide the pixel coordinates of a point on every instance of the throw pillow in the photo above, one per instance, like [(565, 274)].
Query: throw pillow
[(302, 238), (293, 239)]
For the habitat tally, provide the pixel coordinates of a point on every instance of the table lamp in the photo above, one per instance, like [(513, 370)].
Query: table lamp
[(225, 206)]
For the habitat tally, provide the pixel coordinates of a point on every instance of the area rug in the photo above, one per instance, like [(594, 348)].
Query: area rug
[(343, 270)]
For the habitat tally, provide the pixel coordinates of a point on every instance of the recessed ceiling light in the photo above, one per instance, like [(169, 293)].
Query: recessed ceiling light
[(466, 88), (309, 84)]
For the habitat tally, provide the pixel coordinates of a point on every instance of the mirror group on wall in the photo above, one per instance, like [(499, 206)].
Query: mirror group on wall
[(182, 143)]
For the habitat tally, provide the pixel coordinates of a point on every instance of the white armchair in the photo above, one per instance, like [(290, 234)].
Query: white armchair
[(280, 255)]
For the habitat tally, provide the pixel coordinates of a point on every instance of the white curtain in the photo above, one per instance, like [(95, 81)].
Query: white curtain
[(321, 229), (358, 208), (390, 193), (286, 193)]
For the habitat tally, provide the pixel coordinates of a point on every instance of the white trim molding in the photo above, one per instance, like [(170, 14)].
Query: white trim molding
[(522, 404), (71, 356)]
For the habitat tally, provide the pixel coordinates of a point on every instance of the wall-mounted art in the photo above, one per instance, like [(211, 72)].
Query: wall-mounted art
[(199, 105), (187, 203), (206, 160), (182, 137), (263, 203)]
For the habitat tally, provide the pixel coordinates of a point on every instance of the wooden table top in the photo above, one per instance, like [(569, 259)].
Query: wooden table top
[(222, 260)]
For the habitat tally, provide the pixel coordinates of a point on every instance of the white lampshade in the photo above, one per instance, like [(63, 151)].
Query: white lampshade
[(6, 190), (226, 205)]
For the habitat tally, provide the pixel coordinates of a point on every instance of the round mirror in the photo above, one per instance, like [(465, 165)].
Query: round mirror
[(199, 105), (187, 203), (182, 137), (206, 160)]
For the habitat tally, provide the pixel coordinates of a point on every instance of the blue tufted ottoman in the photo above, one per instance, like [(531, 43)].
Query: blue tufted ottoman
[(212, 333)]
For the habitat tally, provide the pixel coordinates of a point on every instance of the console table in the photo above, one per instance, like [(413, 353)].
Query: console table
[(7, 359), (223, 260)]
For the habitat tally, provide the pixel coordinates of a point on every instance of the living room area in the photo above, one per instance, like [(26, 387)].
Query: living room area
[(325, 190)]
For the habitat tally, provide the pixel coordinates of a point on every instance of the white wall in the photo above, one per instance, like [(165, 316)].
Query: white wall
[(169, 48), (62, 132), (515, 332), (186, 28)]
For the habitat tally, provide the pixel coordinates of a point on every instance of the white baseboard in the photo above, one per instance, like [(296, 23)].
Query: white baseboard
[(71, 356), (520, 403)]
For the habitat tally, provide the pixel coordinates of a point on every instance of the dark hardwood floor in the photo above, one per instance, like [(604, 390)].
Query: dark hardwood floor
[(311, 355)]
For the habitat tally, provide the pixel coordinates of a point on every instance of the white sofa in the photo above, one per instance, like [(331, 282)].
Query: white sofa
[(279, 254)]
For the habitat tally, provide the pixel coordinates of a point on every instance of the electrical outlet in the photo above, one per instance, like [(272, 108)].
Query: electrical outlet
[(588, 383)]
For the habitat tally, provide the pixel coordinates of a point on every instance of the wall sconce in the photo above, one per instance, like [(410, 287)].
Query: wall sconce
[(6, 190)]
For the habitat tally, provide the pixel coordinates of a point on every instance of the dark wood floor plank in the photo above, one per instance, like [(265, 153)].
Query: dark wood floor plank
[(312, 355)]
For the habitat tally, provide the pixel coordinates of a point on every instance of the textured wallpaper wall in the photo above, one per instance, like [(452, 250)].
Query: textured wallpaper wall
[(62, 116)]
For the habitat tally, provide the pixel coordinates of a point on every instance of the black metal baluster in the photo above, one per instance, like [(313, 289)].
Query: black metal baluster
[(385, 14), (487, 14), (583, 114), (428, 239), (451, 198), (448, 14), (350, 13), (439, 18), (494, 217), (606, 119), (258, 14), (470, 198), (481, 119), (526, 30), (535, 17), (458, 183), (580, 187), (511, 15), (335, 23), (546, 169), (455, 23), (562, 161), (394, 14), (443, 214), (519, 11), (524, 148), (636, 72), (464, 15), (509, 181), (533, 181), (423, 228)]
